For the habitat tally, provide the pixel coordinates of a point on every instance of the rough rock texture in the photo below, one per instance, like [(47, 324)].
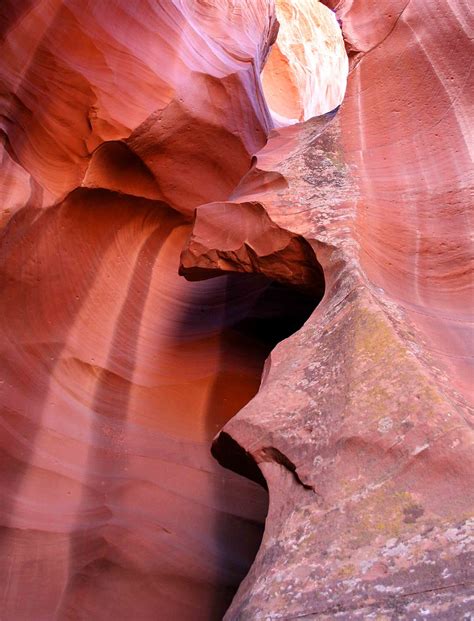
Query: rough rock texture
[(116, 372), (361, 427)]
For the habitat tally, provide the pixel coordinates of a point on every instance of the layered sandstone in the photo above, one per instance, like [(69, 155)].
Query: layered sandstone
[(118, 120), (306, 71), (138, 146)]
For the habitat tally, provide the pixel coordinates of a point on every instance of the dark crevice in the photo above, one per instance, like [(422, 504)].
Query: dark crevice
[(232, 456), (278, 311), (272, 454)]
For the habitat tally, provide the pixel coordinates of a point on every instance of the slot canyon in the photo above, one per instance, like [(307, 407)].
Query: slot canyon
[(236, 371)]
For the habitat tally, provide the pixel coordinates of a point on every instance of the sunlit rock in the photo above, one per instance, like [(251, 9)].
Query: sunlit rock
[(306, 71), (179, 277)]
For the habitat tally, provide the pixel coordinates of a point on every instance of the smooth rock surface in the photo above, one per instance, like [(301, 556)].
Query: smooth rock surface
[(137, 144), (306, 71), (117, 120)]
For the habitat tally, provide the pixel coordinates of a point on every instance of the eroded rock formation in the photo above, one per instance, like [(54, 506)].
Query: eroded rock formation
[(306, 71), (116, 372), (138, 146)]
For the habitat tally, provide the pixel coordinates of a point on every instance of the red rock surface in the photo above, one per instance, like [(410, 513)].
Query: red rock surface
[(118, 122), (119, 119)]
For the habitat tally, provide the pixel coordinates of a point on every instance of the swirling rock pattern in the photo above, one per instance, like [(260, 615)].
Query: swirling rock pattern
[(306, 71), (138, 144), (118, 120)]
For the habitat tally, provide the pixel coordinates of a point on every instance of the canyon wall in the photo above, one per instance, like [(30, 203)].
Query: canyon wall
[(118, 120), (362, 426), (159, 238)]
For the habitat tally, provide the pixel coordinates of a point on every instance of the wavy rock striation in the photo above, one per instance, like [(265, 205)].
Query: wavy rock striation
[(116, 372), (138, 146), (306, 71)]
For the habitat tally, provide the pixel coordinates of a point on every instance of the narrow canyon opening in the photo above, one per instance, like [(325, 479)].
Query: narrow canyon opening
[(304, 76), (306, 71), (257, 314)]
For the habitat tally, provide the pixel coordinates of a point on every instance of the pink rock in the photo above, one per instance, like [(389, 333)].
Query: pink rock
[(138, 146)]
